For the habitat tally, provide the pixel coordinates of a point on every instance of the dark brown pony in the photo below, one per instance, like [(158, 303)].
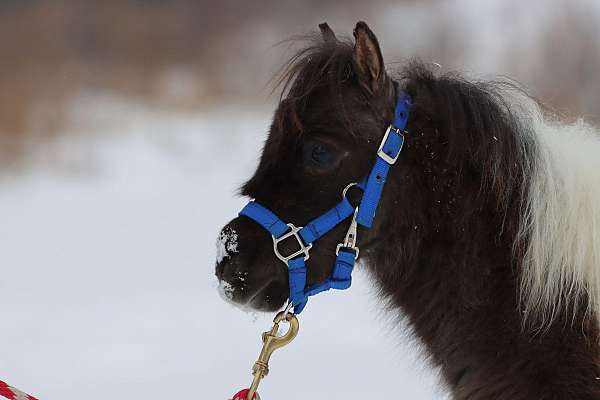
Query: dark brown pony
[(449, 247)]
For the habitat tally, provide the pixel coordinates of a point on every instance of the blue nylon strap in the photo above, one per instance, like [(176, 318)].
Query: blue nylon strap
[(370, 200), (298, 307), (402, 110), (326, 222), (265, 218), (341, 277), (391, 147), (297, 282)]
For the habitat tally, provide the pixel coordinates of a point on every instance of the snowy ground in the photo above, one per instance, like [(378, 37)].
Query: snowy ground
[(106, 276)]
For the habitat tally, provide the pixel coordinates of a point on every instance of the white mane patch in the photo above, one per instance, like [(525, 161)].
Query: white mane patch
[(561, 220)]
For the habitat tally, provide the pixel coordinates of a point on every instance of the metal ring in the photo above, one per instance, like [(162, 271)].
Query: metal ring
[(288, 308), (348, 187)]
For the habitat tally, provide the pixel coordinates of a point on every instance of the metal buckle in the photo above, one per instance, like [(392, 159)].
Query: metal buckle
[(382, 154), (303, 248)]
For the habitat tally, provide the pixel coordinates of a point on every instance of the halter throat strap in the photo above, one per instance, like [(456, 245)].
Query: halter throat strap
[(347, 251)]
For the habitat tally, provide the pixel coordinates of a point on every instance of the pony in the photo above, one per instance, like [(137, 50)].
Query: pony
[(487, 236)]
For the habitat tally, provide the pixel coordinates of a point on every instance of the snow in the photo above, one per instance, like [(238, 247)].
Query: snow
[(107, 286), (227, 244), (226, 290)]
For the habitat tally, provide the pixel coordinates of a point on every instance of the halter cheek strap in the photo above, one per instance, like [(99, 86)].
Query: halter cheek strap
[(387, 155), (346, 252)]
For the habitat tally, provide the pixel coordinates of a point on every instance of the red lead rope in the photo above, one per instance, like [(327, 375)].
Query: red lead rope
[(13, 394), (243, 395)]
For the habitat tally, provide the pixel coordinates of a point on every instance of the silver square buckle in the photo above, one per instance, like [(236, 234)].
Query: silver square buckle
[(292, 232), (385, 157)]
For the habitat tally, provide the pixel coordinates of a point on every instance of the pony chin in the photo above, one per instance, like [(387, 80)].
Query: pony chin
[(560, 220)]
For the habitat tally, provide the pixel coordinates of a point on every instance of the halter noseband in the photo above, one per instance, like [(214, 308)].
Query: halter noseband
[(346, 252)]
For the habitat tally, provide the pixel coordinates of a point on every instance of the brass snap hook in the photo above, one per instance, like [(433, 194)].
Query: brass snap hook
[(272, 342)]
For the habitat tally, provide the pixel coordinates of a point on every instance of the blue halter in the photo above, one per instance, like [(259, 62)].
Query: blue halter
[(347, 252)]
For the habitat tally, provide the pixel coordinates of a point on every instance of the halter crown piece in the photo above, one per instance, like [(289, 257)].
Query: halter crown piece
[(347, 252)]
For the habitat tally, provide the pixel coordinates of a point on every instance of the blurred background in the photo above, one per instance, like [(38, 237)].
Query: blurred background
[(125, 129)]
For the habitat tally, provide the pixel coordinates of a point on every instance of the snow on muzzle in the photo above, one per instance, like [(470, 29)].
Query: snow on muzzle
[(249, 273)]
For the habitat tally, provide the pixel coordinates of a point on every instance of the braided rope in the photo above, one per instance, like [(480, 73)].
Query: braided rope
[(243, 395), (13, 394)]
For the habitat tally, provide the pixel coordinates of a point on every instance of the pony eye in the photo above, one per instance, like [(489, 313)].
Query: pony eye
[(318, 154)]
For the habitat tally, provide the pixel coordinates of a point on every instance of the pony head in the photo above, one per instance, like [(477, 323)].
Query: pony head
[(337, 102)]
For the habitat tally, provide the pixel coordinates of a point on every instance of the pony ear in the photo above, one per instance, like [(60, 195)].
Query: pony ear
[(327, 33), (367, 59)]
